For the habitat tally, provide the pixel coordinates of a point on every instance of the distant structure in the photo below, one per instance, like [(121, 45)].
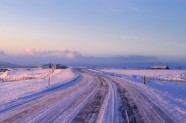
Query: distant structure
[(60, 66), (4, 69), (160, 67), (48, 66), (51, 66)]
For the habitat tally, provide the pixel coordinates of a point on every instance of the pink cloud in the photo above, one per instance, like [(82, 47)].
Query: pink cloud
[(54, 53)]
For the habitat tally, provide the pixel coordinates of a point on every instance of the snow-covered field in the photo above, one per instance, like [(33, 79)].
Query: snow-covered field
[(14, 90), (162, 74), (93, 96), (32, 72), (145, 72), (169, 95)]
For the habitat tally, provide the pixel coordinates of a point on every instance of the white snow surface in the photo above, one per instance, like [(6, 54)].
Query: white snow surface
[(13, 90), (147, 72), (20, 72), (169, 95), (69, 91), (175, 75)]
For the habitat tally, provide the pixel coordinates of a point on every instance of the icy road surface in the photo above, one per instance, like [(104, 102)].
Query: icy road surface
[(88, 98)]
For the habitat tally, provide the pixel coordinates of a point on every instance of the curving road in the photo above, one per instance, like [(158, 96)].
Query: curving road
[(90, 98)]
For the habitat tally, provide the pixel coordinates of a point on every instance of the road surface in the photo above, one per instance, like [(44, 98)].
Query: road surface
[(89, 98)]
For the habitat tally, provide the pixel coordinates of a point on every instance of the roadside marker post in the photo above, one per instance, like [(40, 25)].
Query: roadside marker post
[(144, 80), (48, 81)]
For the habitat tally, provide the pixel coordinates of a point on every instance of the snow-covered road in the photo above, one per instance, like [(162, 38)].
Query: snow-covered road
[(87, 98), (63, 103), (143, 108)]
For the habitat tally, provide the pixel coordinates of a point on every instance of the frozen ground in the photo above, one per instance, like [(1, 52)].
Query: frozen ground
[(169, 95), (172, 87), (93, 96), (166, 74), (32, 72), (13, 90)]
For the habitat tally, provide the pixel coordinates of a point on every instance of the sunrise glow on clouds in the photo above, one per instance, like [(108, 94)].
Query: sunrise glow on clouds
[(93, 28), (57, 53)]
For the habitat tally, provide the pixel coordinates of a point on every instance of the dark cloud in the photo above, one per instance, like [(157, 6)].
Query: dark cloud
[(137, 57), (34, 56)]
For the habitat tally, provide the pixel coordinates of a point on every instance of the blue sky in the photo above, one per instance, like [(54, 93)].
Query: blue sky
[(95, 27)]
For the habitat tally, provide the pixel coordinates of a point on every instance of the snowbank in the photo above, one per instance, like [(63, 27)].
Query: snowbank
[(13, 90)]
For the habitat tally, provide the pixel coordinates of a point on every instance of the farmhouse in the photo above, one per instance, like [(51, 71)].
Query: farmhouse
[(4, 69), (60, 66), (160, 67), (48, 66)]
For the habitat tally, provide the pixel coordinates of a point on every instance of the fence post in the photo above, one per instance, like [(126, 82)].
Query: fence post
[(48, 81), (144, 78)]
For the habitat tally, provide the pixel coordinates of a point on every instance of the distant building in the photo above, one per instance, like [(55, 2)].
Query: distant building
[(48, 66), (60, 66), (160, 67), (4, 69)]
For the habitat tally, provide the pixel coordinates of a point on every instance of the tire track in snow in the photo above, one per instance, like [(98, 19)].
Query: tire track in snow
[(147, 109), (110, 108), (104, 107), (28, 111), (96, 98), (66, 109), (91, 110), (23, 100)]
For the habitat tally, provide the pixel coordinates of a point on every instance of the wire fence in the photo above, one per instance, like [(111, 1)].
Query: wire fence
[(14, 79), (166, 78), (158, 77), (21, 78)]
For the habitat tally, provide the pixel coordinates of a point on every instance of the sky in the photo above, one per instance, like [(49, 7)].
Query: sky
[(97, 28)]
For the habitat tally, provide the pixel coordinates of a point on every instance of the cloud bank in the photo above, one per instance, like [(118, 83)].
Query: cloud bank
[(32, 56), (51, 53)]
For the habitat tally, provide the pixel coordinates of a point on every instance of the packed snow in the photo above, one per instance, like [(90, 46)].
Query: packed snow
[(90, 95), (169, 95), (14, 90), (31, 72), (157, 74)]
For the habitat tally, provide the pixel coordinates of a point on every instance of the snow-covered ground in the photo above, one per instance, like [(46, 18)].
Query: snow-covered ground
[(169, 95), (87, 95), (162, 74), (20, 72), (14, 90)]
